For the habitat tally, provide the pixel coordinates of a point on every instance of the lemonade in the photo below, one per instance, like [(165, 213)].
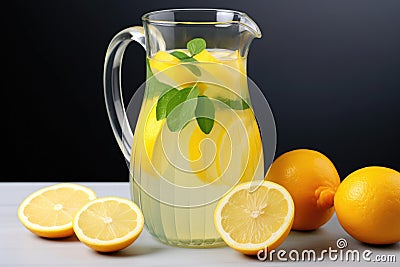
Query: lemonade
[(196, 138)]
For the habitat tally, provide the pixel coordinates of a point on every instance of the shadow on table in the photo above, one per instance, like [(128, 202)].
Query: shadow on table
[(61, 240), (133, 250)]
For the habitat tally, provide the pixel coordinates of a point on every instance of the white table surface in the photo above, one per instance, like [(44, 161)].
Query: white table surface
[(19, 247)]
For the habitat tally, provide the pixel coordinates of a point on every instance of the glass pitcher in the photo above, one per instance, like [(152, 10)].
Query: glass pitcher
[(196, 135)]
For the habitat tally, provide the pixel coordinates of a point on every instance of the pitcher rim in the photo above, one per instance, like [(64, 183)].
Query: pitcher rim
[(146, 18)]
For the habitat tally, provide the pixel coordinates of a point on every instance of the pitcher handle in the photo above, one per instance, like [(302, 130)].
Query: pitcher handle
[(112, 85)]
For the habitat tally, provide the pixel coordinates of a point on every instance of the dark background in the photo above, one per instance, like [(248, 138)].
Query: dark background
[(329, 69)]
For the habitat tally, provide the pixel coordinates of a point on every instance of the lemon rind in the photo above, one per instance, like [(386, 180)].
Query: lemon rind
[(274, 237)]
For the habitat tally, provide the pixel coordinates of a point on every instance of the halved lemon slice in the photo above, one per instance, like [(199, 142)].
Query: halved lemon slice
[(254, 216), (108, 224), (48, 212)]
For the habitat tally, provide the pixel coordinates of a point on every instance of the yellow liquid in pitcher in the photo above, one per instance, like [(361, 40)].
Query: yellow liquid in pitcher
[(178, 177)]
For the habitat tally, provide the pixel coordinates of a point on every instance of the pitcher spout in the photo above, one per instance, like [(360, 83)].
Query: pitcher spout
[(248, 30), (250, 26)]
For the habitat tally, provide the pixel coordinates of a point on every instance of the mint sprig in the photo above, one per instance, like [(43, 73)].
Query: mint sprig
[(194, 47), (180, 106), (185, 58)]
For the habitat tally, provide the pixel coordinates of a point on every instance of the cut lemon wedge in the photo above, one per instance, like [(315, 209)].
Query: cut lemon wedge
[(49, 211), (108, 224), (205, 56), (229, 130), (255, 216)]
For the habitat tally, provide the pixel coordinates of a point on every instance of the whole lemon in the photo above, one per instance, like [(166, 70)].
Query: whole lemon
[(312, 180), (367, 205)]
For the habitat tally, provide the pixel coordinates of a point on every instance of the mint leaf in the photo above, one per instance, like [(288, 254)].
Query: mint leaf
[(194, 69), (161, 108), (185, 58), (180, 109), (180, 55), (178, 98), (194, 92), (239, 104), (196, 45), (205, 113), (189, 59)]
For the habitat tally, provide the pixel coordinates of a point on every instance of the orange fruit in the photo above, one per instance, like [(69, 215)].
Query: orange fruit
[(254, 216), (108, 224), (367, 205), (312, 180), (48, 212)]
